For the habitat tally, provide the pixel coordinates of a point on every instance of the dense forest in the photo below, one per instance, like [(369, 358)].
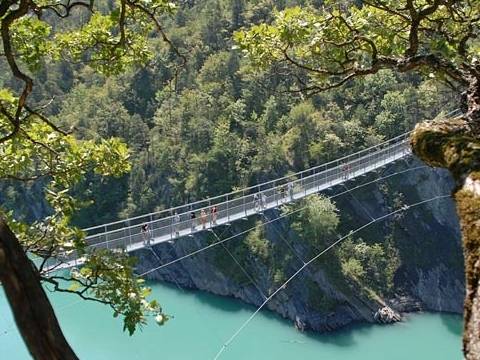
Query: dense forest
[(216, 126)]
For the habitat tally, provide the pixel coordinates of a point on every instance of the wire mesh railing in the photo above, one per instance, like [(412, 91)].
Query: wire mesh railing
[(201, 215)]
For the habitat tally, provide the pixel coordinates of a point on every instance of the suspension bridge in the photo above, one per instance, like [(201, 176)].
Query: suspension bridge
[(182, 221), (142, 231)]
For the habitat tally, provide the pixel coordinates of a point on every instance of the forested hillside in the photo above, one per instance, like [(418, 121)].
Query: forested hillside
[(214, 127)]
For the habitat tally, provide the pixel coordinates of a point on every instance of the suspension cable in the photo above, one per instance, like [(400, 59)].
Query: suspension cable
[(297, 255), (281, 287), (245, 272)]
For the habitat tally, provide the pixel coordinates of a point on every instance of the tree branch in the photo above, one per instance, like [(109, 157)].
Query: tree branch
[(8, 51), (86, 287), (159, 28), (47, 121), (66, 8), (380, 6)]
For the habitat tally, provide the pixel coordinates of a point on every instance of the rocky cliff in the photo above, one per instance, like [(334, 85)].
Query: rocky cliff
[(430, 275)]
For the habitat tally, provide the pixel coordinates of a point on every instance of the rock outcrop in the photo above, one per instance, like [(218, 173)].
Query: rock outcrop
[(386, 315)]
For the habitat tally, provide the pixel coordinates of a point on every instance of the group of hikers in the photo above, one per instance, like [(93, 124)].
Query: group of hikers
[(287, 190), (283, 193), (259, 202), (209, 215), (202, 220)]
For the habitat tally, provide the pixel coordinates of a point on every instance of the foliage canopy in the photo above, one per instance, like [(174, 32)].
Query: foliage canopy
[(325, 48)]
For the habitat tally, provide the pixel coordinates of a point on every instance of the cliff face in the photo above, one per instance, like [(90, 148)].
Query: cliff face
[(430, 275), (438, 289)]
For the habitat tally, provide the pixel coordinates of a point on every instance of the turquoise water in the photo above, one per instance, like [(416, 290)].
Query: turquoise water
[(203, 322)]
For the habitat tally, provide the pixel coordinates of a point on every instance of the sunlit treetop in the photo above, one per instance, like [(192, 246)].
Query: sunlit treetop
[(338, 42), (112, 38)]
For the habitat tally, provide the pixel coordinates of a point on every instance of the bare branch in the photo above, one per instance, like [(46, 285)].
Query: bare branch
[(63, 10), (8, 51), (81, 294), (47, 121)]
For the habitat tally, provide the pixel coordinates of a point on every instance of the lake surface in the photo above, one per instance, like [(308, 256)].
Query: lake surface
[(204, 322)]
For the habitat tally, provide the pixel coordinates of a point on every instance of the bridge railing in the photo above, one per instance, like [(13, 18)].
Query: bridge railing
[(197, 205), (121, 234)]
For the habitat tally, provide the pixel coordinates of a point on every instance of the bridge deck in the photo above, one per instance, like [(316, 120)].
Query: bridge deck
[(240, 204)]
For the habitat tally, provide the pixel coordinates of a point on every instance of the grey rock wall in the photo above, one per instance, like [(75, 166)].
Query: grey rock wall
[(439, 290)]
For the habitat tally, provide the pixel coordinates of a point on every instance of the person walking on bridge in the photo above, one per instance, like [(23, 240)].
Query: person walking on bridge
[(256, 204), (279, 194), (349, 170), (213, 215), (176, 224), (283, 192), (345, 171), (193, 219), (290, 190), (263, 200), (260, 202), (146, 234), (203, 218)]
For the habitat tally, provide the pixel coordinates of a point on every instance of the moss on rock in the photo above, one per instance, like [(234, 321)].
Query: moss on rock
[(447, 144), (450, 144)]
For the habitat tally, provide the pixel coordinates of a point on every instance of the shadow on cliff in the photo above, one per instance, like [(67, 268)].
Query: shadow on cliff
[(227, 304), (343, 337)]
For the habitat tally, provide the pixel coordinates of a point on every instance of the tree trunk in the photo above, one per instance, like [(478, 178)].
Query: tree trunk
[(455, 145), (31, 308)]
